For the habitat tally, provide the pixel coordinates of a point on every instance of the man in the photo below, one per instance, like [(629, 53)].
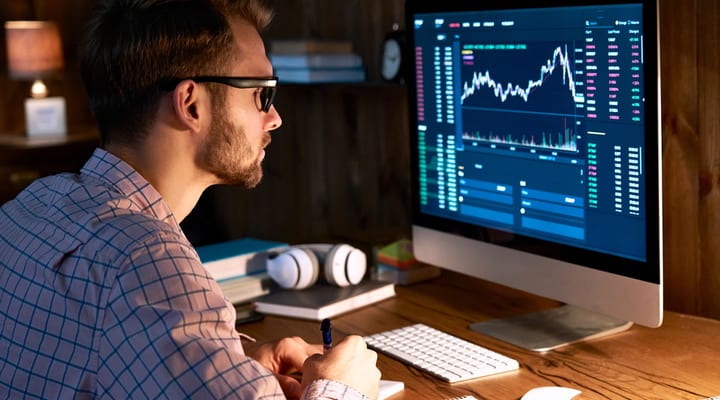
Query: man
[(101, 294)]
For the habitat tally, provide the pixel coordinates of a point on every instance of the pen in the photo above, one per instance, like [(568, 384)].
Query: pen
[(326, 330)]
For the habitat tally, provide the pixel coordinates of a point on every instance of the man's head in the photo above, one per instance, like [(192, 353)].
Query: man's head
[(136, 51), (234, 147)]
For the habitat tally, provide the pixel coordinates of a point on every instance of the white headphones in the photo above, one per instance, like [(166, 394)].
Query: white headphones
[(299, 266)]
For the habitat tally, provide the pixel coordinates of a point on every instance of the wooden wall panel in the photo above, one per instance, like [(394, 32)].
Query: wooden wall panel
[(709, 157), (691, 155), (336, 170), (368, 170), (681, 145)]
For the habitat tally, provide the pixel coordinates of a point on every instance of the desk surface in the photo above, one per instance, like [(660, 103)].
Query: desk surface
[(680, 360)]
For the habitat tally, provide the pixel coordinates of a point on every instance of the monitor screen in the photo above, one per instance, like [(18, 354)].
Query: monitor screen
[(536, 147)]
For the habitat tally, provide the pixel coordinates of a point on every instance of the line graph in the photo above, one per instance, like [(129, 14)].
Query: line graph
[(559, 61), (528, 98)]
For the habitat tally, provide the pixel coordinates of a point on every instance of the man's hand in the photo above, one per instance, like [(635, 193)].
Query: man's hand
[(349, 362), (285, 357)]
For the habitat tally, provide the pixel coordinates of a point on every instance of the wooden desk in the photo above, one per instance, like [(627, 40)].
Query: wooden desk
[(680, 360)]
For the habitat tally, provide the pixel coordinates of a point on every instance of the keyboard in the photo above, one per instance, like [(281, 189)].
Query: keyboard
[(440, 354)]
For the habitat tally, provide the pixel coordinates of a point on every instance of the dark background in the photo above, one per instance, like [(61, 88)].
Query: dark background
[(337, 170)]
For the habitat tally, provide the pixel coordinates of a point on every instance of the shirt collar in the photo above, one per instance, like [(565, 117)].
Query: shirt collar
[(124, 179)]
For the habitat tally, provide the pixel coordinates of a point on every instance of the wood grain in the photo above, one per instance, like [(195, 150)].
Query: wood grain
[(676, 361), (681, 146), (337, 169), (709, 158)]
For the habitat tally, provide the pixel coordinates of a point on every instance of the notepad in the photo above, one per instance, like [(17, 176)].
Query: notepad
[(389, 388)]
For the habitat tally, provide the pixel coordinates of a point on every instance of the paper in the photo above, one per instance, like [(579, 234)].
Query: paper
[(389, 388)]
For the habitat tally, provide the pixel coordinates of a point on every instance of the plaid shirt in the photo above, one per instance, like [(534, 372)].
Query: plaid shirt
[(101, 295)]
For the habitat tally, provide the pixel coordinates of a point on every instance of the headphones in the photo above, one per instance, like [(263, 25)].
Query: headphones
[(300, 267)]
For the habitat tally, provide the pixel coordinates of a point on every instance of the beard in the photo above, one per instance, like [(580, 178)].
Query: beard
[(228, 154)]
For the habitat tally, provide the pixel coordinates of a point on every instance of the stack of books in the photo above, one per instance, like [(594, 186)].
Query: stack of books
[(396, 263), (316, 61), (240, 266)]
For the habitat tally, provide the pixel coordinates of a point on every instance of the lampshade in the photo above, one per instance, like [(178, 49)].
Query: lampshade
[(34, 52), (34, 49)]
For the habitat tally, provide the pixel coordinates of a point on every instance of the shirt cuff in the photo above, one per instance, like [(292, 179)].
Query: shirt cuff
[(325, 389)]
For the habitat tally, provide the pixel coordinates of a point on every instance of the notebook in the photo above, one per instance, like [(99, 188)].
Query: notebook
[(323, 300)]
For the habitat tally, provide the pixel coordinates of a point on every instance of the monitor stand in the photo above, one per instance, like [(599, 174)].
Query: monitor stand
[(549, 329)]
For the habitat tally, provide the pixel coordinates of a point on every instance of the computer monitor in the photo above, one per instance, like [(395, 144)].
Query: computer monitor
[(535, 143)]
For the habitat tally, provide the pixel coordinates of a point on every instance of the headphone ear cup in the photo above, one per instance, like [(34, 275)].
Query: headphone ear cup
[(294, 268), (344, 265)]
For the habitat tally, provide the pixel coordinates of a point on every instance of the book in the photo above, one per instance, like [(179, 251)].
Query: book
[(324, 300), (407, 275), (294, 46), (237, 258), (244, 289), (316, 60), (320, 75), (398, 254)]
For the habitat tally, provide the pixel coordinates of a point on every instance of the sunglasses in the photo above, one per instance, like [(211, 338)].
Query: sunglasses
[(266, 95)]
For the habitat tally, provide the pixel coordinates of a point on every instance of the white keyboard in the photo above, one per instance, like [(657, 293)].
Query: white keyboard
[(446, 356)]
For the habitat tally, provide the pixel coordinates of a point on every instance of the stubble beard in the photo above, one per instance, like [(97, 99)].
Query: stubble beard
[(227, 151)]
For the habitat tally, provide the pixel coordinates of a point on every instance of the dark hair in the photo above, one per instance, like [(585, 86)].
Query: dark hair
[(131, 46)]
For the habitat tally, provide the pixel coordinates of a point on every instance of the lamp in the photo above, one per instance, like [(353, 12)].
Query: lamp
[(34, 53)]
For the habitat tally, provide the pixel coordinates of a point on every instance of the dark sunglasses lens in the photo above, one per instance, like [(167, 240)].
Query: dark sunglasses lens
[(267, 96)]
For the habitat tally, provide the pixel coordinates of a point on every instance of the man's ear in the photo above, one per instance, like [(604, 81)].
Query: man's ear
[(185, 102)]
